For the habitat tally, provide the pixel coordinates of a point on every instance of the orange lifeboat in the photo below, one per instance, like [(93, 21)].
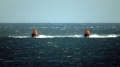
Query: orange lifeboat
[(34, 33), (87, 33)]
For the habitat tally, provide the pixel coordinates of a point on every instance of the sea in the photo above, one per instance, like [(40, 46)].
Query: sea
[(59, 45)]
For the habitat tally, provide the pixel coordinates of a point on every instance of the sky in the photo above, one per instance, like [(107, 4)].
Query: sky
[(60, 11)]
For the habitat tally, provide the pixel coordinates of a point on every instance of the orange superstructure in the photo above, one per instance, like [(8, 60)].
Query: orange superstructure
[(87, 33), (34, 33)]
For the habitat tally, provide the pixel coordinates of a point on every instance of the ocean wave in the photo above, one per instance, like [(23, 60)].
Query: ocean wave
[(69, 36), (104, 36), (49, 36)]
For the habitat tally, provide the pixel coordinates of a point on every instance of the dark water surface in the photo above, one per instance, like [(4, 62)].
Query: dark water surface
[(60, 52), (59, 45)]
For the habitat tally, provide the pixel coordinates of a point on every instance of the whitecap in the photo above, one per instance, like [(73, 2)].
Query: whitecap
[(69, 36), (103, 36)]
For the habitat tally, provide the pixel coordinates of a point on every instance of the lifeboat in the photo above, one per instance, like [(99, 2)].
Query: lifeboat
[(87, 33), (34, 33)]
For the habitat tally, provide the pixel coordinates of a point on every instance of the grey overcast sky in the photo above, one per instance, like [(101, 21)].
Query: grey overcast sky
[(72, 11)]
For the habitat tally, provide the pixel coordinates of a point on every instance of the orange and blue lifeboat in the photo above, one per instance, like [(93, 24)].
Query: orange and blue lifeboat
[(87, 33), (34, 33)]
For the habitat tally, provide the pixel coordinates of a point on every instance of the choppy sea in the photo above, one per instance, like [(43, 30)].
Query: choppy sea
[(59, 45)]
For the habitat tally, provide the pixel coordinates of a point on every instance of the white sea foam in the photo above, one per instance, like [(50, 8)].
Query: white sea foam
[(19, 36), (104, 36), (69, 36)]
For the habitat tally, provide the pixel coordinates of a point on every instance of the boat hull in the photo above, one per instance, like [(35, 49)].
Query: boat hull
[(86, 35), (33, 35)]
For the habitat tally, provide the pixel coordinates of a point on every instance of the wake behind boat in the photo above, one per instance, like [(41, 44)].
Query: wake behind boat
[(70, 36)]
